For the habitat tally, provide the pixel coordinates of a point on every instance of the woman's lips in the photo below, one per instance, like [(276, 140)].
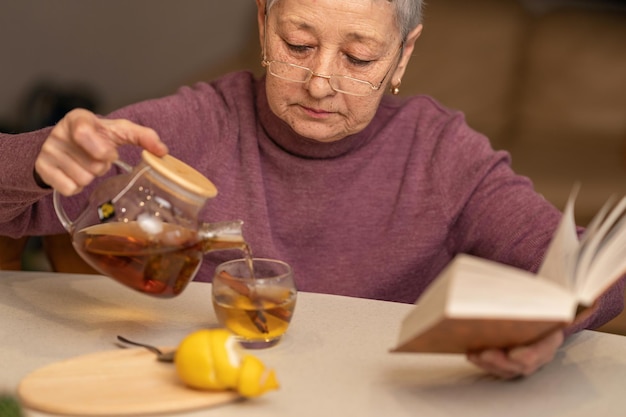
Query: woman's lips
[(315, 113)]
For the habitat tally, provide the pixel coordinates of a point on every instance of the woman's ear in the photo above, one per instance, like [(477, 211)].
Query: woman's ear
[(407, 52)]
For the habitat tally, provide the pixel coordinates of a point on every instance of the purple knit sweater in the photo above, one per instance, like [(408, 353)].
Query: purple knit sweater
[(376, 215)]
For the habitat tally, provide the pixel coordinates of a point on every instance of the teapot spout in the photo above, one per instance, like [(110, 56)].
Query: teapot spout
[(222, 236)]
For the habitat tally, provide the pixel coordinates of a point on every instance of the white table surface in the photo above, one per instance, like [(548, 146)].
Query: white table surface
[(333, 362)]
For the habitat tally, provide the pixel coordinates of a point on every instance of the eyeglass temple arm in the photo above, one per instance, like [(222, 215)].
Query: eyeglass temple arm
[(264, 52)]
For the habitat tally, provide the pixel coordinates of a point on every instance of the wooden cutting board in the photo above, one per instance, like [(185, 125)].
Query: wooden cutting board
[(123, 382)]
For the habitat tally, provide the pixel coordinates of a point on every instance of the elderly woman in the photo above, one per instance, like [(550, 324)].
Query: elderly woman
[(363, 193)]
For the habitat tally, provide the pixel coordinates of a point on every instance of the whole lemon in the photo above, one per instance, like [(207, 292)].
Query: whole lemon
[(209, 359)]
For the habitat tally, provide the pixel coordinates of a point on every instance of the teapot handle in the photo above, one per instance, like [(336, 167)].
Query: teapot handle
[(58, 207)]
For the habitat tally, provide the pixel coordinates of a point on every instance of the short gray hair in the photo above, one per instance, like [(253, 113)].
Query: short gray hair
[(408, 14)]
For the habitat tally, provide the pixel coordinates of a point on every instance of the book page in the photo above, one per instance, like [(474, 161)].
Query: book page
[(596, 238), (606, 256), (559, 262), (586, 249)]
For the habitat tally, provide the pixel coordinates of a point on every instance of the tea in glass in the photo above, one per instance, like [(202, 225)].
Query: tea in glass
[(255, 299)]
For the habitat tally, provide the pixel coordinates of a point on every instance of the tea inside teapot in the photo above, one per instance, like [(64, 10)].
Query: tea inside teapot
[(158, 264)]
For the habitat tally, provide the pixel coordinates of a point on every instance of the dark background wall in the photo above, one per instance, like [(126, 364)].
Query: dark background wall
[(121, 50)]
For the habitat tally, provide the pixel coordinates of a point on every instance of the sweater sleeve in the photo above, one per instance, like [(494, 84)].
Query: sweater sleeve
[(19, 192), (497, 214), (493, 212)]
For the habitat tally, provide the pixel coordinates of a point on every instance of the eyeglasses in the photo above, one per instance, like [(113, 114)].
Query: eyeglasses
[(339, 83)]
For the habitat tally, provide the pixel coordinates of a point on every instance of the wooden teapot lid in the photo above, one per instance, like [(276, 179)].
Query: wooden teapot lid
[(180, 174)]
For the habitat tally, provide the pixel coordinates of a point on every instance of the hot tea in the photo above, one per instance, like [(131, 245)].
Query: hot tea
[(255, 299), (157, 264), (258, 318)]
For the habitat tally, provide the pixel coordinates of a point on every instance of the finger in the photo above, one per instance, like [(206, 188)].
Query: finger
[(496, 362), (99, 138), (81, 127), (66, 167), (125, 132), (56, 147), (534, 356), (63, 180)]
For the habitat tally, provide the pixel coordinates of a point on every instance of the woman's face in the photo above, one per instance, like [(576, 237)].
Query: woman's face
[(357, 38)]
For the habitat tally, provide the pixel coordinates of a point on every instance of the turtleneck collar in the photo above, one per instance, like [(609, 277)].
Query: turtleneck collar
[(286, 138)]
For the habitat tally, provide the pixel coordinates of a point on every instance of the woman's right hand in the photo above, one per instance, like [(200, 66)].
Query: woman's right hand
[(83, 146)]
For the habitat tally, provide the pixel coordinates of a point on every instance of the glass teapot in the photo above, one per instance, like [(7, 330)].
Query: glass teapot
[(141, 228)]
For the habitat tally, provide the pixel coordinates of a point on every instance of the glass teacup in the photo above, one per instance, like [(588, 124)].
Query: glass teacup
[(254, 299)]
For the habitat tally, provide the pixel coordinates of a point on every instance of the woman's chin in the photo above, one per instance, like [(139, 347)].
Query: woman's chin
[(318, 132)]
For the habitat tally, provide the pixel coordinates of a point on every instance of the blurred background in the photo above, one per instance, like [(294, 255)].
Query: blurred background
[(115, 51)]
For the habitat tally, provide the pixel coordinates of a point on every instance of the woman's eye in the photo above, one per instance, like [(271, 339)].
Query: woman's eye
[(358, 62), (297, 48)]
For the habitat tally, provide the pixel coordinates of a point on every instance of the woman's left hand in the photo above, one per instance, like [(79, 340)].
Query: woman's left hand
[(518, 361)]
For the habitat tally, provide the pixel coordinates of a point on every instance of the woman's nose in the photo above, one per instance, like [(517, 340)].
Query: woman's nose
[(319, 84)]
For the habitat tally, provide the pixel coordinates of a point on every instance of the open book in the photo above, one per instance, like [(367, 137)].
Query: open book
[(477, 303)]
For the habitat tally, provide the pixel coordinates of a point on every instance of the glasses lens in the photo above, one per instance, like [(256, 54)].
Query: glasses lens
[(289, 72), (340, 83), (349, 85)]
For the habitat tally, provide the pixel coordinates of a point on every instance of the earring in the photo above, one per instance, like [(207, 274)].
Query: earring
[(395, 89)]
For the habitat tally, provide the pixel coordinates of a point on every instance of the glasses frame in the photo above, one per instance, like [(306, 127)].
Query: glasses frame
[(373, 87)]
